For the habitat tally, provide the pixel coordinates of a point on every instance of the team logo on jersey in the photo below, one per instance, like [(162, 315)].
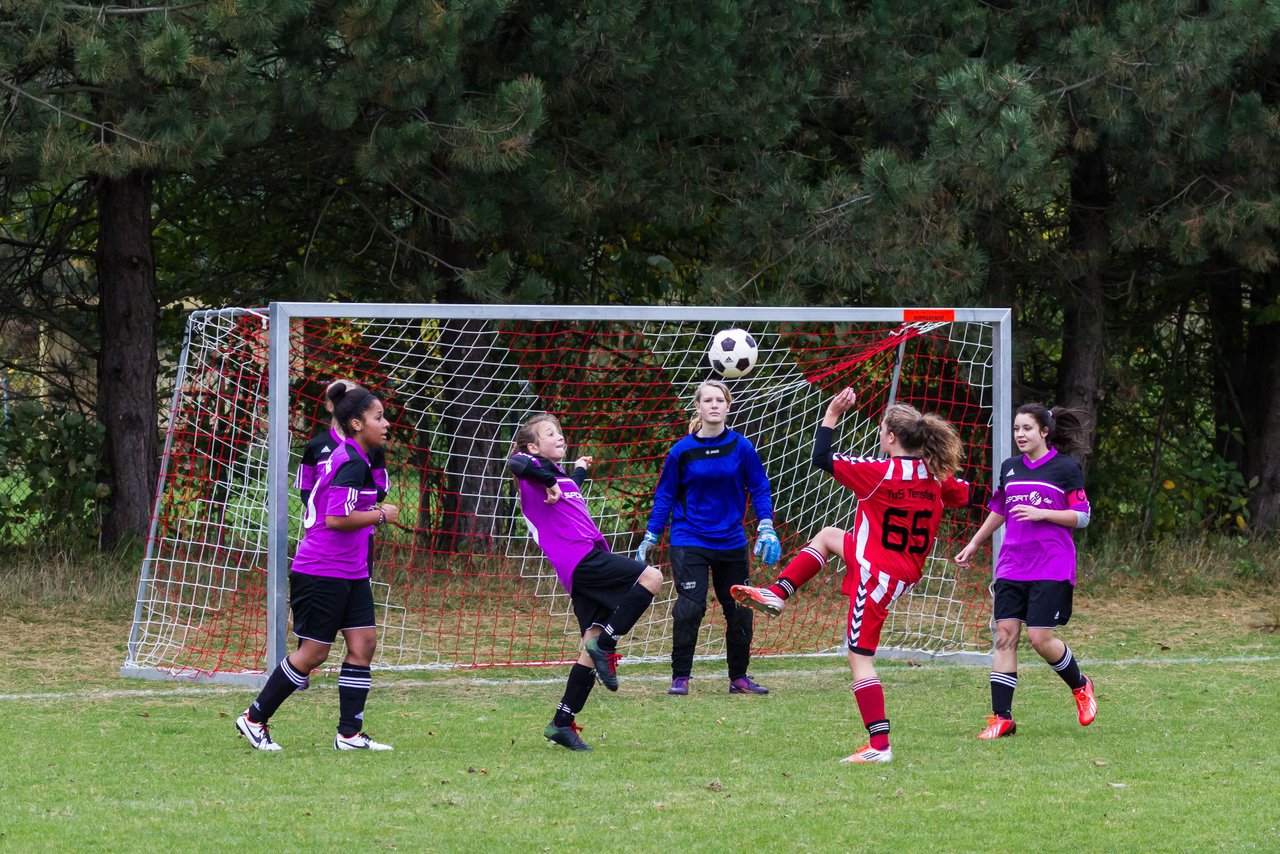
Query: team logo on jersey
[(1036, 498)]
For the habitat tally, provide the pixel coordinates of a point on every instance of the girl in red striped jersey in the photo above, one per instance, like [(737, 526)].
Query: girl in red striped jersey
[(900, 501)]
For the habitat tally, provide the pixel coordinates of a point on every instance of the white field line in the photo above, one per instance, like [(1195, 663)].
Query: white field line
[(179, 690)]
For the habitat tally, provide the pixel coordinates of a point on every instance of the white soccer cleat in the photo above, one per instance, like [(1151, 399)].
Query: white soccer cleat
[(761, 599), (867, 753), (259, 735), (359, 741)]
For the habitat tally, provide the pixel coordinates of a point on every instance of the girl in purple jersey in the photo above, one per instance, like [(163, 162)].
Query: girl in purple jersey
[(609, 592), (1040, 500), (329, 579)]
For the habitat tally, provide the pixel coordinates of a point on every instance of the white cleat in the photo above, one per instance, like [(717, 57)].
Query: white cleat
[(259, 735), (867, 753), (359, 741), (760, 598)]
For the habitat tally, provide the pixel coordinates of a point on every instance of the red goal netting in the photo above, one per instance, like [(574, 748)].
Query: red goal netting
[(458, 580)]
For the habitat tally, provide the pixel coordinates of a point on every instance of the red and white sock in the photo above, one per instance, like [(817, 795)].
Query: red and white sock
[(804, 566), (870, 697)]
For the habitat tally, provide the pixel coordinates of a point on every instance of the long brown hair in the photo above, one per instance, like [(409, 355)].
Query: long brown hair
[(695, 423), (1068, 428), (930, 436)]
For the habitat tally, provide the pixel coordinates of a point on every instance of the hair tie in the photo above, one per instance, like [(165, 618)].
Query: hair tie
[(920, 423)]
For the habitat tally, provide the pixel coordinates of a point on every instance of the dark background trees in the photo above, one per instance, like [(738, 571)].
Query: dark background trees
[(1107, 169)]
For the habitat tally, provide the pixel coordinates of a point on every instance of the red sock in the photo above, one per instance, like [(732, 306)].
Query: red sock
[(870, 697), (803, 566)]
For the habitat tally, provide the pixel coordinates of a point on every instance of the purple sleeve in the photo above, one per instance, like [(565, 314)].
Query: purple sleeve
[(306, 478), (996, 504)]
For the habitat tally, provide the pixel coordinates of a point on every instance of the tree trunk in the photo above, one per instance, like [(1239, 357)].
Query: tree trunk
[(1262, 429), (476, 426), (1230, 395), (1264, 456), (127, 364), (1080, 375)]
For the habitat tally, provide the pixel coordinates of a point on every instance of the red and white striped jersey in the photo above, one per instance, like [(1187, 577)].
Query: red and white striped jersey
[(899, 510)]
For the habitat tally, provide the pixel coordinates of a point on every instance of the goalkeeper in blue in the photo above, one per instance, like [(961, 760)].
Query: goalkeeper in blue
[(702, 492)]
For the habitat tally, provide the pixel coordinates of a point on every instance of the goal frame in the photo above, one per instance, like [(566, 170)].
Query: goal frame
[(280, 315)]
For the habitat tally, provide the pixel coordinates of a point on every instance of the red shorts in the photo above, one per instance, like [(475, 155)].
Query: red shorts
[(869, 601)]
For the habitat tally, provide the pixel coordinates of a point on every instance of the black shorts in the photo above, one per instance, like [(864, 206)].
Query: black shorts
[(1039, 604), (323, 606), (600, 580)]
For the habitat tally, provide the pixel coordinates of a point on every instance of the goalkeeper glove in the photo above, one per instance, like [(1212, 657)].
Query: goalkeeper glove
[(650, 540), (768, 547)]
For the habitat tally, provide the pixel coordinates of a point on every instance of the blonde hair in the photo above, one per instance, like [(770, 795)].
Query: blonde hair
[(695, 423), (929, 435)]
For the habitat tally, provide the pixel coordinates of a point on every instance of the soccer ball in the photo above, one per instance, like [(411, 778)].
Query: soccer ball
[(733, 353)]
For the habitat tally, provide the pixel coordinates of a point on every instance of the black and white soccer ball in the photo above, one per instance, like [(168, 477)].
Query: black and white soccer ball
[(733, 353)]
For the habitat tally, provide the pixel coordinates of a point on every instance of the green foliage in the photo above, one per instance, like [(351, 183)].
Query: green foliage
[(51, 488)]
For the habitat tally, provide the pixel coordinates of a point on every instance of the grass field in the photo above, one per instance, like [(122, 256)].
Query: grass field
[(1184, 756)]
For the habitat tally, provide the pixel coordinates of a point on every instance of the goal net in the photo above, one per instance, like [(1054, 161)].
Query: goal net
[(458, 581)]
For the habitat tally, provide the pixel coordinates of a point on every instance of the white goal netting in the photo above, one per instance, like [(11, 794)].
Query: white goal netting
[(458, 580)]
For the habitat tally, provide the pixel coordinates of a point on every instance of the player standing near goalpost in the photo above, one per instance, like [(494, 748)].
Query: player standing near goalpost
[(1040, 500), (900, 501), (329, 578), (609, 592), (703, 491)]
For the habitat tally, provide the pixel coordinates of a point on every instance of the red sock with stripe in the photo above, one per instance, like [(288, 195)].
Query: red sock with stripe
[(870, 697), (804, 566)]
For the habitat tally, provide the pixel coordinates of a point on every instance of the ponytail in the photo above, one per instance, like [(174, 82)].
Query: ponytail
[(930, 436), (1068, 428)]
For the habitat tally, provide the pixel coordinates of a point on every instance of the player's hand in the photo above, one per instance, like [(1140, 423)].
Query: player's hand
[(554, 493), (650, 540), (391, 511), (768, 546), (966, 554), (1027, 513), (584, 462), (841, 403)]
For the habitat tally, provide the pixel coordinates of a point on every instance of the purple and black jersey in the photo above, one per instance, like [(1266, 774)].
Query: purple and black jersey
[(564, 530), (345, 484), (319, 448), (1040, 550)]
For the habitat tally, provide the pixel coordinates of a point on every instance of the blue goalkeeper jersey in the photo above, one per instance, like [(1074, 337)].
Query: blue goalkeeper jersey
[(703, 490)]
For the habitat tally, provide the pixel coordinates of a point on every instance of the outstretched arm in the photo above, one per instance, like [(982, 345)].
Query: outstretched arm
[(994, 520), (823, 438)]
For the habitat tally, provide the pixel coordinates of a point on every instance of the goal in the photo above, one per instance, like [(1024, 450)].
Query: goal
[(457, 580)]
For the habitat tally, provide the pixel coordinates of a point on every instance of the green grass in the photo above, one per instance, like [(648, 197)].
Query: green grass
[(1182, 757)]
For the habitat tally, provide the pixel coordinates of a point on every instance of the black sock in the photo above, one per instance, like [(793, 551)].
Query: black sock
[(282, 682), (629, 610), (1068, 669), (576, 691), (353, 689), (1002, 686)]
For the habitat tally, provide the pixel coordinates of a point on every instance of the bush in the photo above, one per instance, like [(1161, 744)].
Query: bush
[(51, 487)]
